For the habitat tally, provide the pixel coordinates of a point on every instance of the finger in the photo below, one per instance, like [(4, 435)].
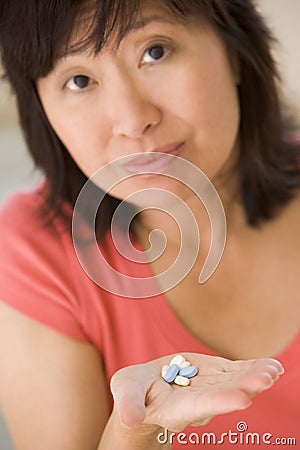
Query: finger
[(254, 383), (270, 365), (131, 407), (251, 381), (258, 375), (209, 365), (130, 402)]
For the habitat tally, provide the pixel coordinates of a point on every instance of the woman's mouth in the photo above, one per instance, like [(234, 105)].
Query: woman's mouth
[(155, 161)]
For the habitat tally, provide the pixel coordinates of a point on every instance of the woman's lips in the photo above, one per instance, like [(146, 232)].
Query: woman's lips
[(155, 161)]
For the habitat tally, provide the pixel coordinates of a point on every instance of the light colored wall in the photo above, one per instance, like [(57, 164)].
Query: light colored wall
[(8, 114), (284, 18)]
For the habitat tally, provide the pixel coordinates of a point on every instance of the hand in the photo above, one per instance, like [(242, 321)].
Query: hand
[(221, 386)]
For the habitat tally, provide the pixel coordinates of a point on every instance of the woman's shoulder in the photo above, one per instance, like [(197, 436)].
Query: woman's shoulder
[(37, 265), (25, 213), (28, 236), (23, 204)]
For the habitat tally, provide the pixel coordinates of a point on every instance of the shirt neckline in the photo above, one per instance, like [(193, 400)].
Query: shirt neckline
[(179, 335)]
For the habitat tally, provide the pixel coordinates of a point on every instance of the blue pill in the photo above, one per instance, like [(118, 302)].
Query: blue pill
[(172, 373), (188, 372)]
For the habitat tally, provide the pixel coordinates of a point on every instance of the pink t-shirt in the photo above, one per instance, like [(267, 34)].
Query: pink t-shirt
[(40, 275)]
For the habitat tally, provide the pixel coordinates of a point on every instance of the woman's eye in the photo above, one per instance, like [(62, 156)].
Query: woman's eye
[(154, 53), (78, 83)]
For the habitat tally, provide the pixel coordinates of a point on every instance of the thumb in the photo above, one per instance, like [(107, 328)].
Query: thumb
[(129, 397)]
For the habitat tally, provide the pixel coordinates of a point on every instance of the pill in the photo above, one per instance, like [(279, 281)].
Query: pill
[(185, 364), (182, 381), (164, 370), (171, 373), (188, 372), (178, 359)]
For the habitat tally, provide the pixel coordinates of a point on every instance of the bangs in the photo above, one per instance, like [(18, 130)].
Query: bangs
[(48, 30), (92, 25), (101, 22)]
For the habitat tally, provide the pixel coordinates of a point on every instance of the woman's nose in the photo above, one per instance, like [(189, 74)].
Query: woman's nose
[(132, 112)]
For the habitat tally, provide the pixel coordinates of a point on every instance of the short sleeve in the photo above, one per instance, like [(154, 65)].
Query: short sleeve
[(34, 276)]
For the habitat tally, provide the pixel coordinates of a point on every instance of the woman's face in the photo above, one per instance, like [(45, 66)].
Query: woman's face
[(168, 87)]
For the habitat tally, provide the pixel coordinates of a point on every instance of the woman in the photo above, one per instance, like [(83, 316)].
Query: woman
[(191, 81)]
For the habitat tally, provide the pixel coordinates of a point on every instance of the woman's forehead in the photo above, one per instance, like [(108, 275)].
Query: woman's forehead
[(91, 35)]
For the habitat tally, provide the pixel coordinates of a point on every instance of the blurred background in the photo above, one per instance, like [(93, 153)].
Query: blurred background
[(17, 171)]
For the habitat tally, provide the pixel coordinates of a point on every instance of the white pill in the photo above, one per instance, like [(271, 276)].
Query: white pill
[(164, 370), (178, 359), (185, 364), (181, 381)]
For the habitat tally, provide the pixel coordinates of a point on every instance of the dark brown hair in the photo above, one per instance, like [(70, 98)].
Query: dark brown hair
[(33, 34)]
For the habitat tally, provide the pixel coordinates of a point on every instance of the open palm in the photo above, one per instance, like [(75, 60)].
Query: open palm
[(221, 386)]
